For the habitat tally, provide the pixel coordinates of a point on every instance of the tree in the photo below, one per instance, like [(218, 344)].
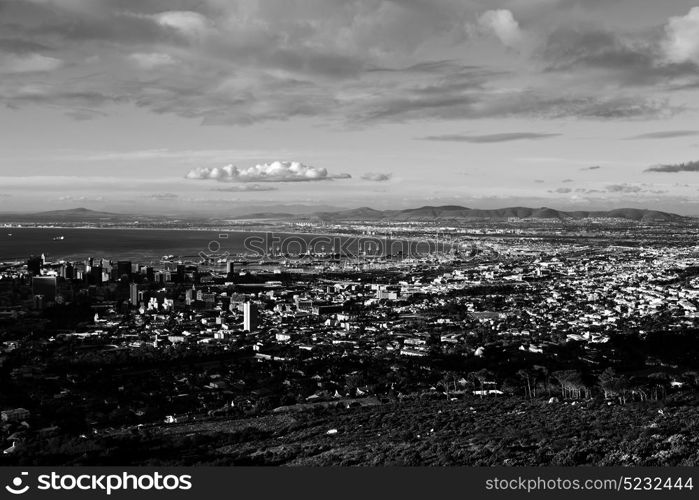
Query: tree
[(526, 377), (571, 384), (542, 373)]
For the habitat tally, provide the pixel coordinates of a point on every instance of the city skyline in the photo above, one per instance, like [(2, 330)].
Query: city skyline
[(212, 106)]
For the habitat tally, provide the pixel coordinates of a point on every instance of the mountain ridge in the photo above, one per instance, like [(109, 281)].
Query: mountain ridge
[(420, 214), (457, 212)]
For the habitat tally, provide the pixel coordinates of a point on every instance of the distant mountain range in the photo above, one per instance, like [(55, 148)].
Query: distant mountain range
[(71, 215), (455, 212), (422, 214)]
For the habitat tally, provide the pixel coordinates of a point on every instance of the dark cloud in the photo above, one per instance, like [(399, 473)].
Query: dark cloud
[(692, 166), (376, 177), (163, 196), (623, 188), (586, 4), (353, 62), (566, 48), (20, 46), (670, 134), (561, 190), (503, 137), (430, 67), (593, 167), (624, 61), (410, 103), (84, 114)]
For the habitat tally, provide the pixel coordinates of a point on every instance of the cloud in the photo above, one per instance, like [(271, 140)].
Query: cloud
[(245, 188), (503, 25), (163, 196), (84, 114), (504, 137), (377, 177), (187, 22), (81, 198), (593, 167), (681, 43), (151, 60), (352, 63), (567, 47), (623, 188), (20, 46), (561, 190), (692, 166), (28, 63), (670, 134), (411, 103), (278, 171), (629, 60)]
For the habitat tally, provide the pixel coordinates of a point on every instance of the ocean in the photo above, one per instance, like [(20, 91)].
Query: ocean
[(150, 244)]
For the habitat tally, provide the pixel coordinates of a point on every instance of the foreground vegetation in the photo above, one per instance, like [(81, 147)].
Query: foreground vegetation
[(412, 431)]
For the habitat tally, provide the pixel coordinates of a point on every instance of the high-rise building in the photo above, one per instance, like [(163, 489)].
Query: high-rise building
[(189, 296), (34, 265), (180, 273), (66, 271), (123, 268), (230, 268), (46, 286), (133, 294), (94, 276), (250, 317)]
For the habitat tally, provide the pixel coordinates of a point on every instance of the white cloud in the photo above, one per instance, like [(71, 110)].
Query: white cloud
[(278, 171), (151, 60), (681, 42), (81, 198), (28, 63), (188, 22), (503, 25)]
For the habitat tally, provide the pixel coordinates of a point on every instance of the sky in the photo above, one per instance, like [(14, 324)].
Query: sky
[(239, 106)]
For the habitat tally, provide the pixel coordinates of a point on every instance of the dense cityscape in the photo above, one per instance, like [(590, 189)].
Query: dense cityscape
[(511, 337)]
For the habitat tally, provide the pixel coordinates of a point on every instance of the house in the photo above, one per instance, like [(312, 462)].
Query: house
[(16, 415)]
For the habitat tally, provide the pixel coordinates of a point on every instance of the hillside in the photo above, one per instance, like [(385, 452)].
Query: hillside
[(455, 212), (70, 215), (426, 431), (421, 214)]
